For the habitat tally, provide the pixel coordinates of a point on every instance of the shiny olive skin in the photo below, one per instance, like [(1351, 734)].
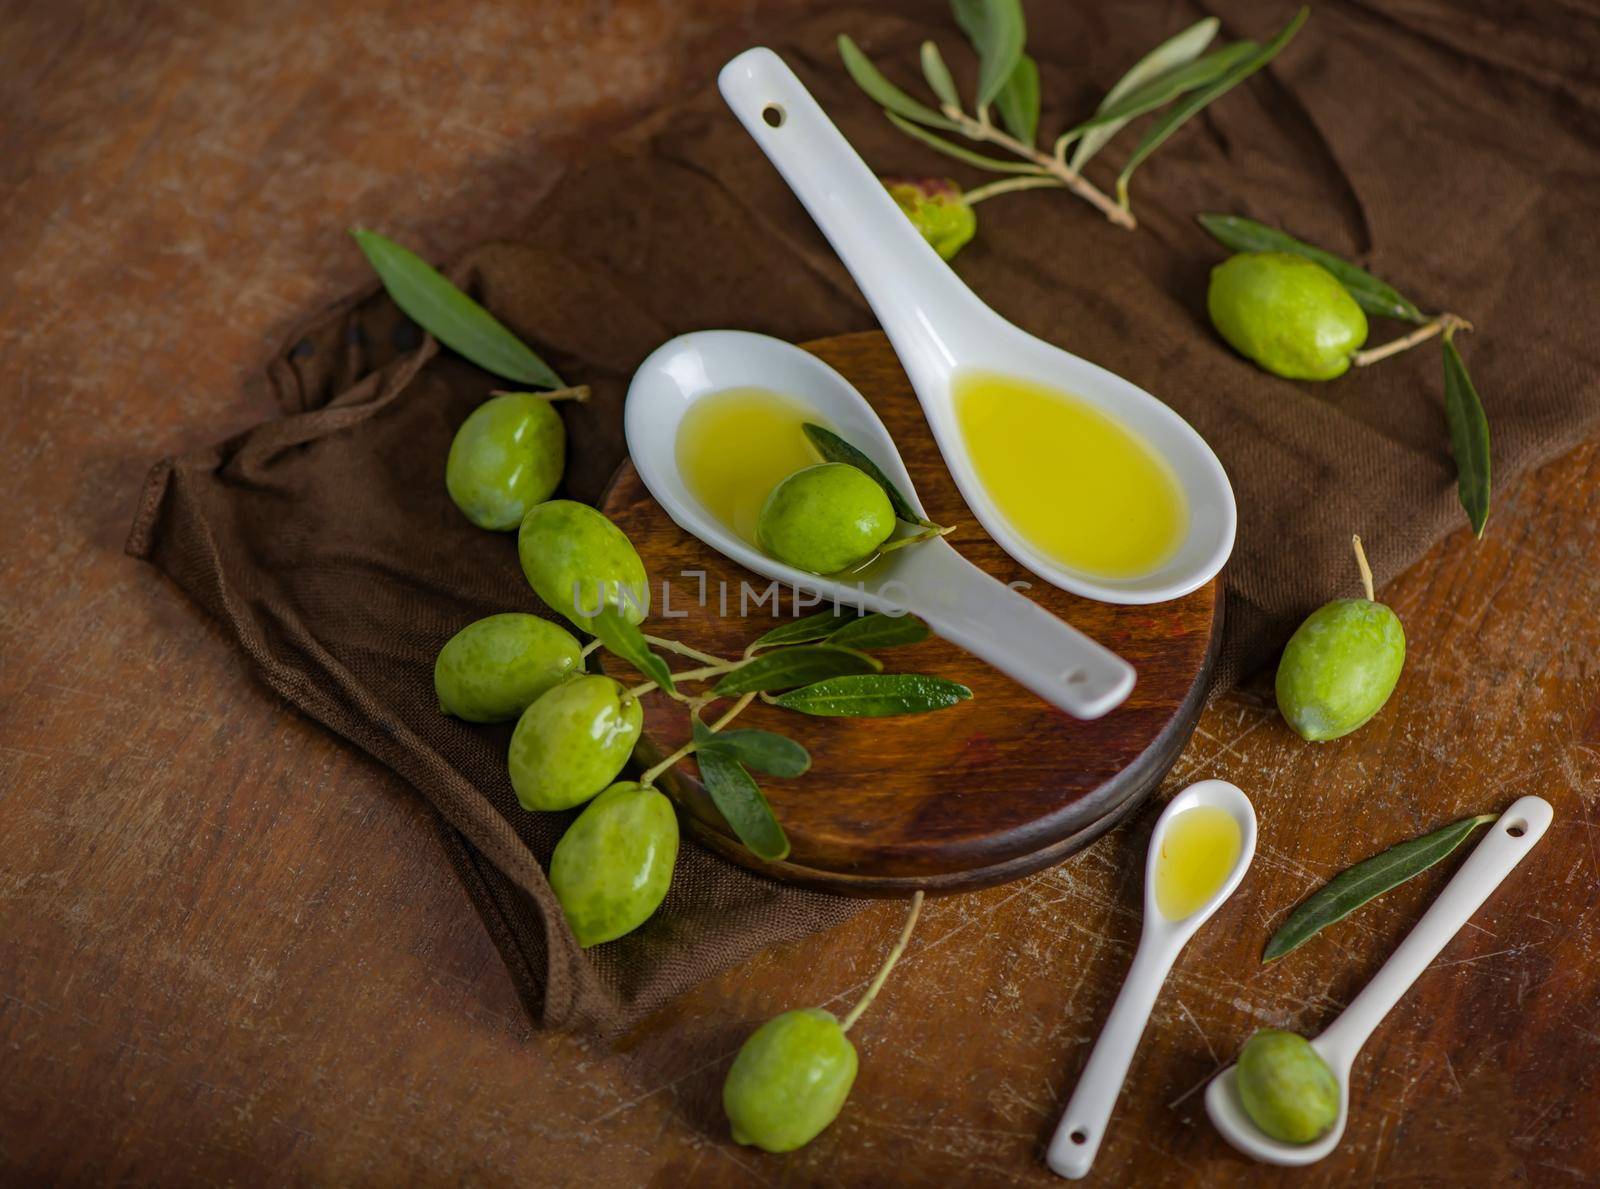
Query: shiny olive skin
[(612, 867), (790, 1080), (1286, 1087), (825, 518), (572, 742), (1340, 667), (1288, 314), (507, 456), (495, 668), (578, 562)]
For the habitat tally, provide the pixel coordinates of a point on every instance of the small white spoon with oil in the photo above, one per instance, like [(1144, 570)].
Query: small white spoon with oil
[(1502, 848), (1083, 1124), (939, 327), (930, 580)]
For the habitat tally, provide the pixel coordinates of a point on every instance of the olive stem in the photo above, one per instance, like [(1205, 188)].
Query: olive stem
[(575, 392), (982, 129), (683, 752), (973, 197), (1435, 325), (684, 650), (588, 648), (927, 534), (878, 979), (1366, 570)]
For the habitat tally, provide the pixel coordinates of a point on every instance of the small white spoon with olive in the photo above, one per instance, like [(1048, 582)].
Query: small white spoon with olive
[(1284, 1083)]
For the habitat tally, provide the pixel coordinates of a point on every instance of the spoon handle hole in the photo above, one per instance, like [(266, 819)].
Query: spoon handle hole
[(1080, 1136), (1517, 828), (772, 115)]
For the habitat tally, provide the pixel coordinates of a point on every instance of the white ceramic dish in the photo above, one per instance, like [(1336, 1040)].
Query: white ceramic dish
[(931, 580), (938, 327), (1083, 1124)]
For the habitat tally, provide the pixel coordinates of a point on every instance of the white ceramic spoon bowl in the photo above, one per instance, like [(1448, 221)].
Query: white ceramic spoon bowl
[(938, 327), (1501, 849), (1083, 1124), (931, 580)]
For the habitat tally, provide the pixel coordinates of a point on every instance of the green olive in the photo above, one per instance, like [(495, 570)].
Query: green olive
[(1286, 1087), (1288, 314), (572, 742), (938, 209), (790, 1080), (578, 562), (825, 518), (1340, 667), (506, 457), (613, 865), (495, 668)]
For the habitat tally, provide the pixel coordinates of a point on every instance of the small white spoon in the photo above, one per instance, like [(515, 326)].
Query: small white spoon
[(1083, 1124), (1508, 840), (939, 327), (930, 580)]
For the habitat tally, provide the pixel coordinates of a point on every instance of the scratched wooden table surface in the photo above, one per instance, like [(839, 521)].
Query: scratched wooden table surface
[(230, 950)]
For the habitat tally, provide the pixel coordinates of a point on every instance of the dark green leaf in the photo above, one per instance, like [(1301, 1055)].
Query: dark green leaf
[(938, 75), (1188, 77), (626, 640), (881, 631), (1180, 113), (804, 631), (1469, 436), (789, 667), (766, 751), (1352, 888), (450, 315), (950, 149), (970, 16), (743, 805), (875, 696), (1018, 100), (1169, 55), (1372, 295), (882, 91), (835, 449)]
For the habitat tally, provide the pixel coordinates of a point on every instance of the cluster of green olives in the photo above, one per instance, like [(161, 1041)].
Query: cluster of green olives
[(1341, 664), (825, 518), (1287, 314), (574, 730), (1286, 1087)]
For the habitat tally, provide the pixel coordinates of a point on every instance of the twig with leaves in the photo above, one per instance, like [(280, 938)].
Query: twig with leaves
[(1174, 73), (1463, 409)]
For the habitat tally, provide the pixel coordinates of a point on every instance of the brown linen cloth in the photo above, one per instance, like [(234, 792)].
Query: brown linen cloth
[(1453, 151)]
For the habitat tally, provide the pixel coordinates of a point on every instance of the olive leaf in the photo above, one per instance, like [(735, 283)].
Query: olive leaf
[(818, 626), (789, 667), (877, 695), (1371, 294), (625, 640), (835, 449), (950, 149), (882, 91), (1018, 100), (1355, 886), (1188, 77), (938, 75), (450, 316), (743, 805), (1169, 55), (1181, 112), (765, 751), (997, 32), (881, 631), (1469, 435)]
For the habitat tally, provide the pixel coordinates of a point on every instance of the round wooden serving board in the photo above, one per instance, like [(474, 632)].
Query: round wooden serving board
[(986, 791)]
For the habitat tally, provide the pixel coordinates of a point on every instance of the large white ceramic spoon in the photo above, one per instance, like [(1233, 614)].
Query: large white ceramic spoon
[(1505, 845), (1083, 1124), (931, 580), (938, 327)]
